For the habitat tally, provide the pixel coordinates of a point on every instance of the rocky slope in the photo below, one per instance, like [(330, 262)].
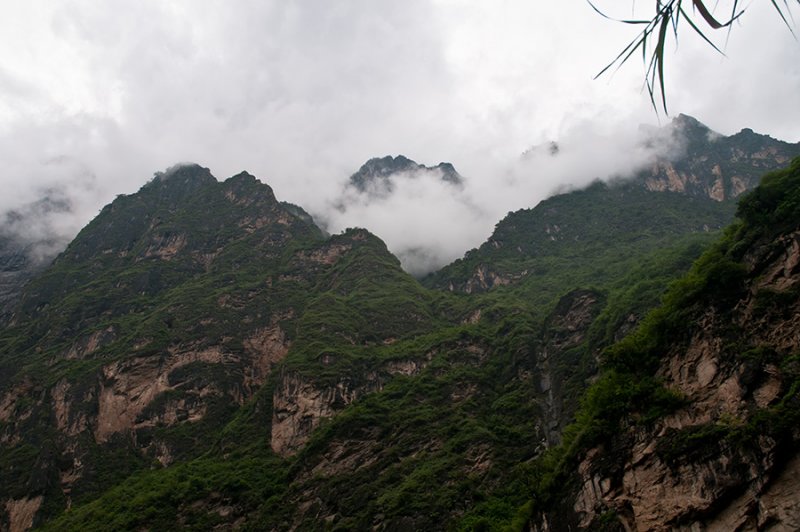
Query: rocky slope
[(692, 189), (726, 458), (707, 164), (164, 316), (203, 356)]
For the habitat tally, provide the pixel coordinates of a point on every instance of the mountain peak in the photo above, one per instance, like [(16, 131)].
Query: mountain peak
[(687, 121), (244, 175), (181, 178), (245, 188), (381, 167), (185, 172), (691, 129), (376, 172)]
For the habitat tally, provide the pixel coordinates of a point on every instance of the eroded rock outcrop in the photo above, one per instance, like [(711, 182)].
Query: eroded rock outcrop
[(705, 163), (726, 460), (128, 386), (566, 329), (484, 278), (21, 513), (299, 404)]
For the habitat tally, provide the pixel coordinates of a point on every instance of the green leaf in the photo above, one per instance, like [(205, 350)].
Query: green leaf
[(662, 36), (698, 31)]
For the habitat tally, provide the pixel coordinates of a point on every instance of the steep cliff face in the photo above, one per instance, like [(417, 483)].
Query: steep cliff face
[(299, 406), (727, 458), (564, 362), (715, 166)]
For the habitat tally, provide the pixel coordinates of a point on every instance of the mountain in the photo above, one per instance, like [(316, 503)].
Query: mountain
[(167, 314), (571, 231), (693, 422), (375, 177), (712, 165), (16, 268), (28, 243), (203, 356), (688, 193)]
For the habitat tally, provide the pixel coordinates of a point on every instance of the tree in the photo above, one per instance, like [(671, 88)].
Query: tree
[(669, 14)]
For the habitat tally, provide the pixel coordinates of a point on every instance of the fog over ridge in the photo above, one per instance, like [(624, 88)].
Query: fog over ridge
[(426, 219), (428, 222), (96, 97)]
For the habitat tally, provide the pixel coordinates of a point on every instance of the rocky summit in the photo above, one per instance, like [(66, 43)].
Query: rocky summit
[(623, 357), (376, 176)]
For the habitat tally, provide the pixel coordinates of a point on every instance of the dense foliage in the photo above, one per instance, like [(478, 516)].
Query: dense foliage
[(467, 418), (464, 399), (627, 389)]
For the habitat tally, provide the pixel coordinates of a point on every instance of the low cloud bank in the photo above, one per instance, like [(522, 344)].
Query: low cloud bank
[(428, 221), (426, 218)]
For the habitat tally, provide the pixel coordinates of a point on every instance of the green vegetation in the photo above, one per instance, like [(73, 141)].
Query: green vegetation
[(627, 389), (194, 496), (591, 237), (463, 402)]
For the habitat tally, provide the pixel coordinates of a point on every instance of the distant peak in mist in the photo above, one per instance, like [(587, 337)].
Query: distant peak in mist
[(185, 172), (35, 229), (423, 213), (692, 130), (375, 176), (551, 148), (686, 121)]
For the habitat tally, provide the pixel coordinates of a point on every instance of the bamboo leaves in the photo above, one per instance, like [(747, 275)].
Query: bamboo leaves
[(670, 13)]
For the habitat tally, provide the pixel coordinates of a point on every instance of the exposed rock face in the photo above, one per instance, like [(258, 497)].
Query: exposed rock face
[(266, 346), (565, 330), (484, 279), (9, 400), (711, 165), (299, 405), (128, 386), (21, 513), (69, 420), (683, 472), (165, 246), (328, 254), (85, 346)]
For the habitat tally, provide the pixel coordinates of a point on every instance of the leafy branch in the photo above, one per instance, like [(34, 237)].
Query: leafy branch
[(668, 15)]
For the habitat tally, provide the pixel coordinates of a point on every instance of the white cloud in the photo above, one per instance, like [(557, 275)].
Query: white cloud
[(428, 222), (302, 93)]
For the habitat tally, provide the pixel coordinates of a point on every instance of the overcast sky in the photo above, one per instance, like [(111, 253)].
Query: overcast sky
[(97, 96)]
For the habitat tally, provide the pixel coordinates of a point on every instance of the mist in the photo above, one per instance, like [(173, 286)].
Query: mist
[(429, 222), (95, 98)]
